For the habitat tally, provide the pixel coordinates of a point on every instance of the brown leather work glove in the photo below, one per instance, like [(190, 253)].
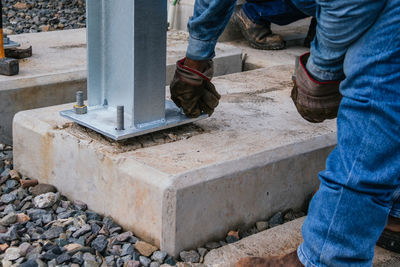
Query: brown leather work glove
[(315, 101), (193, 91)]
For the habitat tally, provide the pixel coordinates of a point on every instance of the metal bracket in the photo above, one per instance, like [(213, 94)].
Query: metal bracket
[(104, 120), (129, 73)]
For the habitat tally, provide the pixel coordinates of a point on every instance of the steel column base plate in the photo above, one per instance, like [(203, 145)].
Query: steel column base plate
[(104, 121)]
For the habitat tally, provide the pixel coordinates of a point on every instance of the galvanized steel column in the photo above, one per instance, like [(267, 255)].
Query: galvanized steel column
[(127, 56)]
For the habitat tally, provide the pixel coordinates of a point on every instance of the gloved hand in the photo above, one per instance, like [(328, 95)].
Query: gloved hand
[(315, 101), (193, 91)]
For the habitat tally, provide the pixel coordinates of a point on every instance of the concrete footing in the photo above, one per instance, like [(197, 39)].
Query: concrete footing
[(278, 241), (58, 69), (183, 187)]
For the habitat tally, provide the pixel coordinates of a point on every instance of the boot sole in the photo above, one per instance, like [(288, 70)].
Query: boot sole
[(272, 47), (390, 240), (238, 21)]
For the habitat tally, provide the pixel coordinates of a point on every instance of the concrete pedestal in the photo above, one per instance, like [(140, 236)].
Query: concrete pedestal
[(255, 156), (57, 70)]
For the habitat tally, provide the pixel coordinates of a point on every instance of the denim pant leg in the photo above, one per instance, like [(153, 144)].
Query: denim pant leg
[(349, 212), (280, 12), (208, 22), (340, 24)]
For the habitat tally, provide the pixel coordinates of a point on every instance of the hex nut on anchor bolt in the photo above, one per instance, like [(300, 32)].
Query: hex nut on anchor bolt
[(80, 107)]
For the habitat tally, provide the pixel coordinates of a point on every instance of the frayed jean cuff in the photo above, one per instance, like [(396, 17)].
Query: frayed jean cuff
[(303, 258), (323, 75), (200, 50)]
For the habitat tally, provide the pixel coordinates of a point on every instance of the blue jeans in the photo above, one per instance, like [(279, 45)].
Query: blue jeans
[(208, 22), (280, 12), (358, 41), (359, 187), (211, 17)]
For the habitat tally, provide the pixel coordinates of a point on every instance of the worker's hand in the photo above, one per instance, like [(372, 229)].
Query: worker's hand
[(193, 91), (315, 101)]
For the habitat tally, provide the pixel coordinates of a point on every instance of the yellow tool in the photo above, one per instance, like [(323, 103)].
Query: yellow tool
[(8, 66)]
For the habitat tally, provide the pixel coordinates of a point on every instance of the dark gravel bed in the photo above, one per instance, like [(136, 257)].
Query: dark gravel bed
[(24, 16), (41, 227)]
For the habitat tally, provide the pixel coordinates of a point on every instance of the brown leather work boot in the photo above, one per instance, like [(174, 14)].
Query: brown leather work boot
[(288, 260), (390, 238), (259, 36)]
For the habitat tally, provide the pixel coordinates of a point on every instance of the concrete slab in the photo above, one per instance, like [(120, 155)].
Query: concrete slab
[(58, 69), (254, 157), (278, 241), (255, 59)]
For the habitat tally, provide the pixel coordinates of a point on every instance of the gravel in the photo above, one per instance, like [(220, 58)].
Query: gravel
[(190, 256), (276, 220), (144, 261), (261, 225), (24, 16), (41, 227)]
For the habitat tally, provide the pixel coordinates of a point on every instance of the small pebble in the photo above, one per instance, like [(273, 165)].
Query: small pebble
[(100, 243), (212, 245), (261, 226), (45, 200), (232, 237), (145, 248), (276, 220), (8, 219), (190, 256), (12, 254), (144, 261), (155, 264), (159, 256), (41, 189)]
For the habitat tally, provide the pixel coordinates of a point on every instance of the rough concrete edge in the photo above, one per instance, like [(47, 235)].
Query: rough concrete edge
[(168, 216), (34, 87), (43, 128), (22, 37), (279, 241), (39, 125), (43, 80), (274, 242), (228, 49), (262, 158), (24, 121), (190, 178)]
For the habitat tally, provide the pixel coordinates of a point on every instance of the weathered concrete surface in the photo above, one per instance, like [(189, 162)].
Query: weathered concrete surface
[(58, 69), (255, 59), (278, 241), (254, 157)]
